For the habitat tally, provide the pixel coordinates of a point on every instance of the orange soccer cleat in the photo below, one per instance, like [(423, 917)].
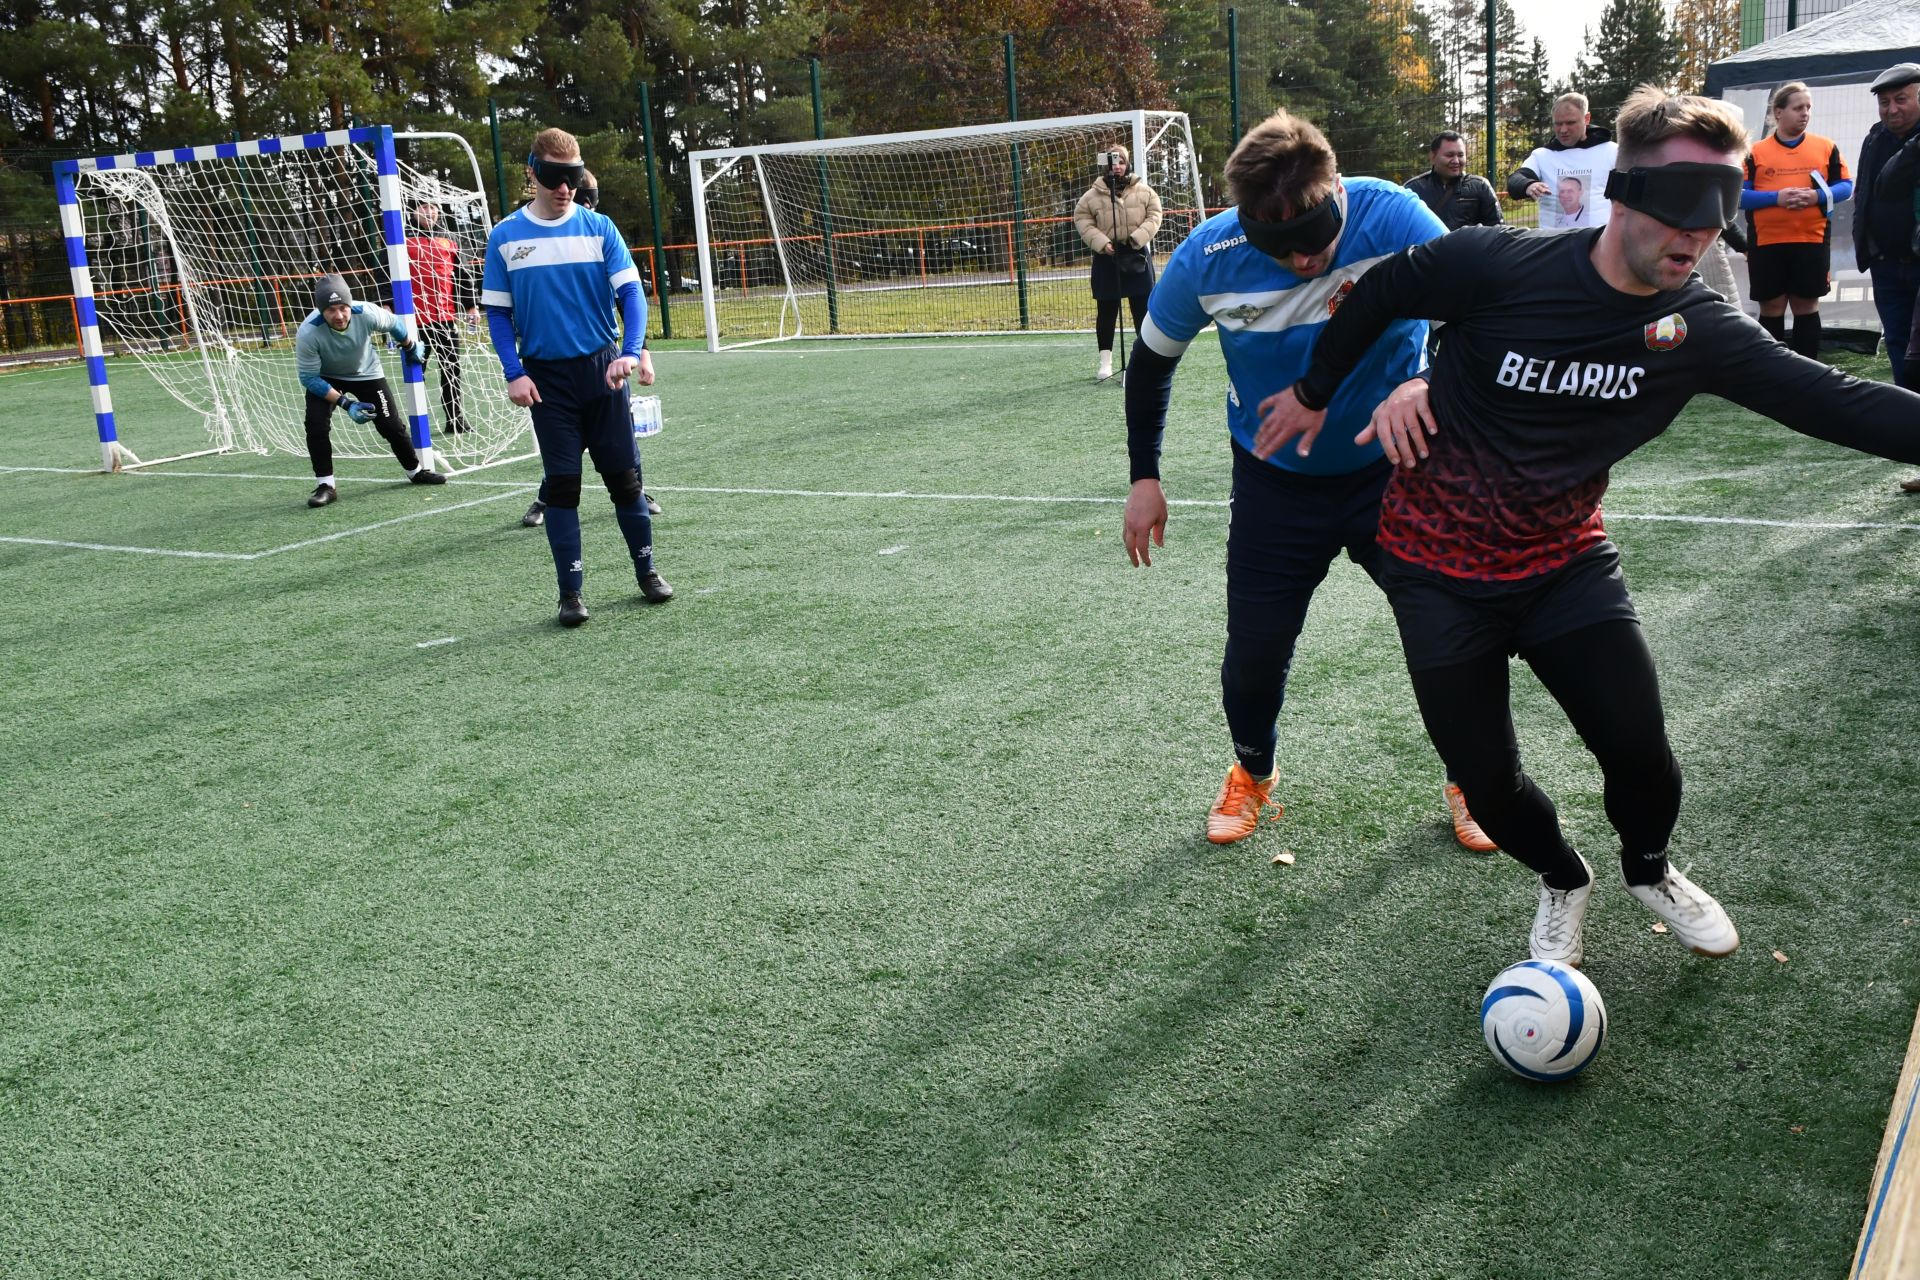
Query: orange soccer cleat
[(1465, 829), (1237, 811)]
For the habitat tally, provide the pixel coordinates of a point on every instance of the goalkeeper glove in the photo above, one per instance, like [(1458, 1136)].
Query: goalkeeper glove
[(357, 409), (417, 352)]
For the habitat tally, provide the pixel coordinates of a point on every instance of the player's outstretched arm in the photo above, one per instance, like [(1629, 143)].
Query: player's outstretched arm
[(1438, 280), (1812, 397)]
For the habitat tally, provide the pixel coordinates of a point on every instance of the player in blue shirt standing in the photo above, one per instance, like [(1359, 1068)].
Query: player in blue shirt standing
[(1268, 274), (551, 313)]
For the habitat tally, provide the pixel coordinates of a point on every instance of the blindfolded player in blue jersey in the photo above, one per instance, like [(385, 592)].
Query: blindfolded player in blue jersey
[(1268, 274), (559, 288)]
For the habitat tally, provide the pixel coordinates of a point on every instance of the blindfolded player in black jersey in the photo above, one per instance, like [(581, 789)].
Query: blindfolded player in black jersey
[(1563, 353)]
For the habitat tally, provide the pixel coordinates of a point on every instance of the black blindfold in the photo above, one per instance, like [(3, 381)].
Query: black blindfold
[(1308, 232), (1686, 195), (550, 173)]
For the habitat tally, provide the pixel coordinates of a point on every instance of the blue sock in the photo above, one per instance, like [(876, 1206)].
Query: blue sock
[(637, 525), (563, 536)]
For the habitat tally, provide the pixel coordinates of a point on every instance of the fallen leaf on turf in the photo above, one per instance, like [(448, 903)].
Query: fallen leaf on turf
[(1796, 1128), (1658, 927), (1284, 858), (1781, 956)]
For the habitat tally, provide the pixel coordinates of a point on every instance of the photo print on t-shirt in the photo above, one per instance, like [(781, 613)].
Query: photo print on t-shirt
[(1566, 203)]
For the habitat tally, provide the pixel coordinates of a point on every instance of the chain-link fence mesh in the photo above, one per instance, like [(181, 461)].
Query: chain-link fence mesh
[(1380, 78)]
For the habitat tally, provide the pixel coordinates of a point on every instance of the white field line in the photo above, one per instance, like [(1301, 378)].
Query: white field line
[(270, 551), (248, 475), (383, 524), (875, 495), (137, 551), (837, 348), (435, 644)]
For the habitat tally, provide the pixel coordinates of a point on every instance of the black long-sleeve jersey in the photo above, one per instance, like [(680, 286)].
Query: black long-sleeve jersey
[(1546, 376)]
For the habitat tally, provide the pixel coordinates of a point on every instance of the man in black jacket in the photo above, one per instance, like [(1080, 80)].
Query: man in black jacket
[(1458, 198), (1884, 243)]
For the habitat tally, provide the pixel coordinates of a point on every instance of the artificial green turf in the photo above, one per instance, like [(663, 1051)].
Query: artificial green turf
[(851, 915)]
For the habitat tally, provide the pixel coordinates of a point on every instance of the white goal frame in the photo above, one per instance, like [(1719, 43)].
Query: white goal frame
[(1146, 130)]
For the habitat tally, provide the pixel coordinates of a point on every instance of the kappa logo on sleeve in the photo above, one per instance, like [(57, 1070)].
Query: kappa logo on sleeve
[(1666, 333)]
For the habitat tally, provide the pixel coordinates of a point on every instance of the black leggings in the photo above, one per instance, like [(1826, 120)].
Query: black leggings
[(1603, 678), (443, 341), (1107, 310)]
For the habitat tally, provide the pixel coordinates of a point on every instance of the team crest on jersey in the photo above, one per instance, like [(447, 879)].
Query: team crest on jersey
[(1666, 333), (1245, 313), (520, 253), (1339, 296)]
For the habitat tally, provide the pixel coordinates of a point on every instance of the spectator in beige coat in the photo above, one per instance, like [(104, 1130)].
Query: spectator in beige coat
[(1118, 217)]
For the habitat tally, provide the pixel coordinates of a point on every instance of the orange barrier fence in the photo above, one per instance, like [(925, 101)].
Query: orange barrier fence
[(51, 323)]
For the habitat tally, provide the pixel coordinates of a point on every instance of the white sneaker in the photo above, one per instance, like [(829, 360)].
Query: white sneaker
[(1105, 370), (1559, 922), (1693, 914)]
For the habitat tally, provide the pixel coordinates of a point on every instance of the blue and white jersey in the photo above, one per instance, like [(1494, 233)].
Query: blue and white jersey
[(1269, 318), (558, 279)]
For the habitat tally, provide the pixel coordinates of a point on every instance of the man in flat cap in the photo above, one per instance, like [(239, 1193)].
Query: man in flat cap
[(1883, 220)]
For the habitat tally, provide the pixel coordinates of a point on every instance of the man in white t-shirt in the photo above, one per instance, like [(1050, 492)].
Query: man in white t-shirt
[(1579, 152)]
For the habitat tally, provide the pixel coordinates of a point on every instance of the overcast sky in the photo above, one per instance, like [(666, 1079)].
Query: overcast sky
[(1559, 23)]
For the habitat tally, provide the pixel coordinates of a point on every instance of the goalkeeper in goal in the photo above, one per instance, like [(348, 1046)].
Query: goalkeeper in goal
[(338, 366)]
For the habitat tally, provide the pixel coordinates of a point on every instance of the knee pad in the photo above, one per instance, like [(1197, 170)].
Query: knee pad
[(623, 486), (561, 491)]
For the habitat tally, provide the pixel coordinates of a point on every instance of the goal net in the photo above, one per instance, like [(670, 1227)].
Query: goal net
[(944, 231), (199, 263)]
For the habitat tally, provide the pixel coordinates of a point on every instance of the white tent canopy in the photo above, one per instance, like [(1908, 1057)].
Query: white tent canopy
[(1859, 41)]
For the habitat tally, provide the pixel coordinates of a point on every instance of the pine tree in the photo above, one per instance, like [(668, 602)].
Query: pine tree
[(1635, 46)]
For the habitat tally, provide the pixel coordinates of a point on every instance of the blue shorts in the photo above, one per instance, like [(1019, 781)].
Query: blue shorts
[(577, 413), (1285, 531)]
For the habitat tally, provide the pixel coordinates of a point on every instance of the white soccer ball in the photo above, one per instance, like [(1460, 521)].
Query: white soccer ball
[(1543, 1020)]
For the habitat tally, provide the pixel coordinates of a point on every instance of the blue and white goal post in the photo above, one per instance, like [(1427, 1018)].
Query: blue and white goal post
[(214, 249)]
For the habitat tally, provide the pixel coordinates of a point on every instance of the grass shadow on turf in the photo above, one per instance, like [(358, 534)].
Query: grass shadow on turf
[(830, 1173)]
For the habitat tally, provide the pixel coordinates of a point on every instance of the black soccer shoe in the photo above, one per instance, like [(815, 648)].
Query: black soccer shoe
[(457, 428), (572, 611), (423, 476), (653, 508), (536, 515), (654, 588), (323, 495)]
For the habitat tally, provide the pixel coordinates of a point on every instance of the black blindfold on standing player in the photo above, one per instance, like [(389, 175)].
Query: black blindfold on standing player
[(551, 173), (1687, 195), (1308, 232)]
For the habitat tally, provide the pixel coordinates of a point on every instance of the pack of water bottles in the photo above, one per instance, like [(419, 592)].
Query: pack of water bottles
[(646, 417)]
